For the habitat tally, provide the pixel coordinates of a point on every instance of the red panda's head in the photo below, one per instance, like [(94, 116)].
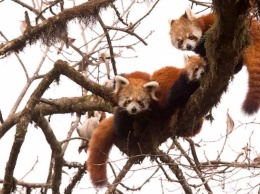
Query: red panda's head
[(185, 32), (134, 95), (194, 67)]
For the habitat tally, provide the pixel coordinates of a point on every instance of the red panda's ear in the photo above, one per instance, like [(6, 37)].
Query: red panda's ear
[(151, 88), (186, 58), (189, 14), (171, 21), (120, 82)]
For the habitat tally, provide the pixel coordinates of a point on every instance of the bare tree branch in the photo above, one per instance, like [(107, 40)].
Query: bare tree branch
[(175, 169), (47, 30), (111, 189), (109, 45)]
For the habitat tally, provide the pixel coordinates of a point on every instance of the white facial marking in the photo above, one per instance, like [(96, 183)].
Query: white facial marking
[(199, 72), (133, 106), (189, 44), (190, 74), (197, 32), (195, 74)]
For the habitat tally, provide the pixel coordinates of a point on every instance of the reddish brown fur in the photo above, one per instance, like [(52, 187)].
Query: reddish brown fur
[(135, 86), (100, 145), (102, 138), (182, 26), (136, 79), (138, 75), (166, 76), (206, 21), (251, 57)]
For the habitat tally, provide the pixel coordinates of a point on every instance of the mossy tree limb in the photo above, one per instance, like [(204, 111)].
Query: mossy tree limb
[(225, 43), (52, 30)]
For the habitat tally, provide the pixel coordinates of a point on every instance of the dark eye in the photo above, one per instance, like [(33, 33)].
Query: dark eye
[(128, 101), (191, 37), (180, 41), (196, 69), (139, 102)]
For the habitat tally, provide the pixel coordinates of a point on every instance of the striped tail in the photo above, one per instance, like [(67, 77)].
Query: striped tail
[(100, 145), (251, 58)]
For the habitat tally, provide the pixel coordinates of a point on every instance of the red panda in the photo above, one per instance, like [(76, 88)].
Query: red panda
[(167, 76), (187, 32), (133, 93), (176, 85), (136, 94)]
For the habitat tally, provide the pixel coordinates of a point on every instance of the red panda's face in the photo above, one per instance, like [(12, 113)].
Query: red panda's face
[(195, 67), (134, 105), (134, 95), (184, 33)]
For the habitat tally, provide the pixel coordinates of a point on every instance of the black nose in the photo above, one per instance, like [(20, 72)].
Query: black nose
[(133, 110), (202, 73), (189, 47)]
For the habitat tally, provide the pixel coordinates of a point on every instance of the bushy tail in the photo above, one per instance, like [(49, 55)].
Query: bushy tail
[(252, 61), (100, 145)]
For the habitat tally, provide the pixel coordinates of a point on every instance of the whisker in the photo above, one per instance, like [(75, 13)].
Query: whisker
[(122, 109), (149, 109)]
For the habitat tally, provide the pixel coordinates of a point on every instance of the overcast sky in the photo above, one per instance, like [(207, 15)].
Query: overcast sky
[(158, 53)]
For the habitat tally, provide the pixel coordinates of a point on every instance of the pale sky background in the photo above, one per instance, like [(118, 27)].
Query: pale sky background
[(158, 53)]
